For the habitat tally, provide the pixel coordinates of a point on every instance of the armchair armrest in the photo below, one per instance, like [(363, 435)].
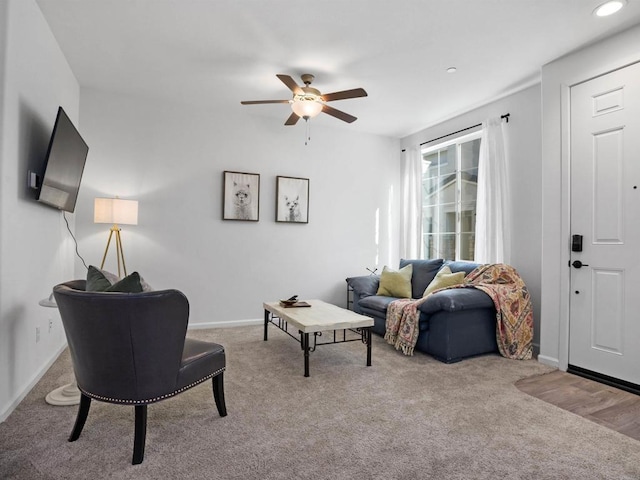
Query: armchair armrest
[(454, 299), (364, 286)]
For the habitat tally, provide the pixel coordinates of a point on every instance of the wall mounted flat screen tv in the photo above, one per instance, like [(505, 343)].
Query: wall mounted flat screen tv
[(63, 166)]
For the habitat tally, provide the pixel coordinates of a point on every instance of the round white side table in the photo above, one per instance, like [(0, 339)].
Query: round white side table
[(67, 394)]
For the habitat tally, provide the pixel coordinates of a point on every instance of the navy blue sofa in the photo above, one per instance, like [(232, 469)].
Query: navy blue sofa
[(454, 324)]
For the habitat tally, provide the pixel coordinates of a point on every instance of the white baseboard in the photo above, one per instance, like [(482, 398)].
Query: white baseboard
[(35, 379), (226, 324), (552, 362)]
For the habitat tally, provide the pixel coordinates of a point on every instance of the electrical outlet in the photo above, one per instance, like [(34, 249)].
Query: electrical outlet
[(37, 334)]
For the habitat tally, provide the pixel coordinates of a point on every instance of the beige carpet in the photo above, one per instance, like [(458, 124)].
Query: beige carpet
[(402, 418)]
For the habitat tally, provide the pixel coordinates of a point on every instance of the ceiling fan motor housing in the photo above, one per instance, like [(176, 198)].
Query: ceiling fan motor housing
[(307, 78)]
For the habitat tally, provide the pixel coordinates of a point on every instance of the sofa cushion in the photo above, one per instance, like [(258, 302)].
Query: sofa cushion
[(444, 278), (456, 299), (461, 266), (377, 303), (424, 272), (396, 283)]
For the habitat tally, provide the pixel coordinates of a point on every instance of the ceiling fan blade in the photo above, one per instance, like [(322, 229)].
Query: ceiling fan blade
[(291, 83), (339, 114), (354, 93), (292, 120), (261, 102)]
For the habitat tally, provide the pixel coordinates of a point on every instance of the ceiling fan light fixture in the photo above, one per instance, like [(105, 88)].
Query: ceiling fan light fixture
[(609, 8), (306, 106)]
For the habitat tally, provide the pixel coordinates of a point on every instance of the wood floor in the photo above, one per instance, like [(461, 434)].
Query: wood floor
[(605, 405)]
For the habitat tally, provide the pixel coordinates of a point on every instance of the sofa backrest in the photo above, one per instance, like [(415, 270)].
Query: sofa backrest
[(423, 272)]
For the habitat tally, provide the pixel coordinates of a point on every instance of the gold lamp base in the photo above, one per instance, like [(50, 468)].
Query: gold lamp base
[(119, 253)]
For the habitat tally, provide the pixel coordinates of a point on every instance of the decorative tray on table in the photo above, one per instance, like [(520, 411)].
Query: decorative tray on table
[(293, 302)]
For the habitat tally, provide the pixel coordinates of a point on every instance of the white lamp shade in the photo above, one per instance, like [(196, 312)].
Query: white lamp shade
[(306, 108), (115, 211)]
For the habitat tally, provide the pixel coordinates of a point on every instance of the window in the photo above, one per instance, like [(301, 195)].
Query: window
[(449, 186)]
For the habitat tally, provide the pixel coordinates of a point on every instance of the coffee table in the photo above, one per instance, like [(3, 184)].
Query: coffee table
[(319, 317)]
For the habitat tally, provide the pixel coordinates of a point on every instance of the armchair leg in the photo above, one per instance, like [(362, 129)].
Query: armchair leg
[(81, 418), (218, 394), (140, 434)]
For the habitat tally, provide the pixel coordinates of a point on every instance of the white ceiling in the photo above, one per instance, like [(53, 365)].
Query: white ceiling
[(218, 52)]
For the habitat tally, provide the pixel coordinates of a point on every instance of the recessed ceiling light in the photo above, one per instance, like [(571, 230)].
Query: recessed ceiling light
[(609, 8), (452, 70)]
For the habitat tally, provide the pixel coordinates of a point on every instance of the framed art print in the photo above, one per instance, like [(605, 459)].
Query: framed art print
[(241, 196), (292, 200)]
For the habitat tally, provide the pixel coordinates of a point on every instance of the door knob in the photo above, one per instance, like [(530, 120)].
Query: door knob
[(579, 264)]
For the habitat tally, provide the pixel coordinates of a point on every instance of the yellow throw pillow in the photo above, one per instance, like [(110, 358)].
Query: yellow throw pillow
[(396, 283), (444, 278)]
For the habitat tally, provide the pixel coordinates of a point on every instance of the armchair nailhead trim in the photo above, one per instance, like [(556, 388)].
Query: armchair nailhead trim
[(151, 400)]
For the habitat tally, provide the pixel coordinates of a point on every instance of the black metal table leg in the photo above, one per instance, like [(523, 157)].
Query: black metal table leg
[(305, 346), (266, 323), (367, 333)]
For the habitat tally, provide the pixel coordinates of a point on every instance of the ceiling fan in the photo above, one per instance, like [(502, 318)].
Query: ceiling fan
[(307, 102)]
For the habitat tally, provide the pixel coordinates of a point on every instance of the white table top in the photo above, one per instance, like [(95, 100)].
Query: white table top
[(320, 316)]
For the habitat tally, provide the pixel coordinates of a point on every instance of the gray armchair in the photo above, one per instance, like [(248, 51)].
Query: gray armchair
[(130, 349)]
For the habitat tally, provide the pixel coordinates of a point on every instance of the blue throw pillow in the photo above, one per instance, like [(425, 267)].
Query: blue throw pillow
[(424, 271), (461, 266)]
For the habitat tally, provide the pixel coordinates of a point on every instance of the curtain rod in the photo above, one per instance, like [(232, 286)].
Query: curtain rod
[(505, 116)]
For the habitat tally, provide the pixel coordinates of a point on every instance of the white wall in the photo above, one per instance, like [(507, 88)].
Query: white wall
[(171, 158), (523, 145), (35, 248), (557, 78)]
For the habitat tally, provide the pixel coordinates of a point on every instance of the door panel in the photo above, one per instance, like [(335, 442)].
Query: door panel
[(608, 298), (608, 209), (604, 323)]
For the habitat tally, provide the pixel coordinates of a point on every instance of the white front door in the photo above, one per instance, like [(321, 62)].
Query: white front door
[(604, 323)]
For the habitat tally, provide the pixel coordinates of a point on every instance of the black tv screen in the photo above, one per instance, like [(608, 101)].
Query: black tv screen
[(64, 165)]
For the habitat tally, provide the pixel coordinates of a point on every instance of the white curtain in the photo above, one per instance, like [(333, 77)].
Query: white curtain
[(411, 194), (493, 235)]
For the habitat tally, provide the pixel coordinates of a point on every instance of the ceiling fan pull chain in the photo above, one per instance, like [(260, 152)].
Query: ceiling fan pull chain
[(308, 133)]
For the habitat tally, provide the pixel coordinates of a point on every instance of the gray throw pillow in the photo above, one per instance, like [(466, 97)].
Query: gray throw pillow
[(98, 282), (129, 284)]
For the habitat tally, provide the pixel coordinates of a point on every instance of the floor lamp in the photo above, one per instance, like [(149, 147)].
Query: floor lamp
[(116, 212)]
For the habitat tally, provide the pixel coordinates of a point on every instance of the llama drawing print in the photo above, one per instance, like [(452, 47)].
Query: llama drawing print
[(241, 194), (293, 208), (292, 199), (242, 201)]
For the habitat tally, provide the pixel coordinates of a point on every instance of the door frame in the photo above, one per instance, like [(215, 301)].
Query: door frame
[(565, 253)]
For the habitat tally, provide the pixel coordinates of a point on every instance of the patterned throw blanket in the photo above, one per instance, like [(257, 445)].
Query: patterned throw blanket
[(514, 315)]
